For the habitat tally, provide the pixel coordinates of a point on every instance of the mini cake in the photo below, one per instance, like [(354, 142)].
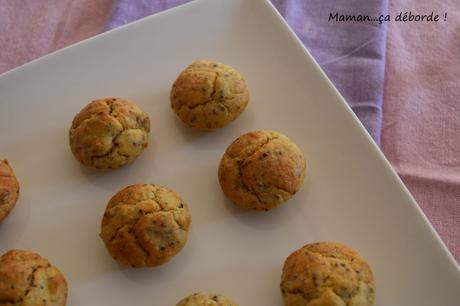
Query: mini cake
[(145, 225), (327, 274), (9, 189), (109, 133), (209, 95), (202, 299), (27, 279), (261, 170)]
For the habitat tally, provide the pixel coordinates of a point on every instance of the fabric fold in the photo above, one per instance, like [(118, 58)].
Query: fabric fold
[(421, 130)]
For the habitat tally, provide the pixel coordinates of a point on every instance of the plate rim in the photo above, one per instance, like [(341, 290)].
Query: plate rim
[(299, 45), (376, 149)]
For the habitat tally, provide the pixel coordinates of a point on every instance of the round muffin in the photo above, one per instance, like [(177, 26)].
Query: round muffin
[(203, 299), (327, 274), (27, 279), (109, 133), (9, 189), (261, 170), (145, 225), (209, 95)]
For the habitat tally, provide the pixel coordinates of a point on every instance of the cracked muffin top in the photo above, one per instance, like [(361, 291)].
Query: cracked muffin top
[(109, 133), (145, 225), (9, 189), (261, 170), (27, 279), (327, 273), (209, 95), (203, 299)]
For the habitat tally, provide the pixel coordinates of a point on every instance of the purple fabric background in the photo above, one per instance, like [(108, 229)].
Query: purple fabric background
[(351, 53)]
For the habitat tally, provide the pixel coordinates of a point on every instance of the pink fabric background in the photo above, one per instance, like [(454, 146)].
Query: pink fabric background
[(421, 111), (421, 120), (32, 28)]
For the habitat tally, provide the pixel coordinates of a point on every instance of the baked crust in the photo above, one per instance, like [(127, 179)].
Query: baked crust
[(329, 274), (261, 170), (204, 299), (27, 279), (145, 225), (209, 95), (9, 189), (109, 133)]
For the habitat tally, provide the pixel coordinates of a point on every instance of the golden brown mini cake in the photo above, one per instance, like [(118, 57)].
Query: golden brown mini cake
[(9, 189), (327, 274), (27, 279), (209, 95), (145, 225), (203, 299), (261, 170), (109, 133)]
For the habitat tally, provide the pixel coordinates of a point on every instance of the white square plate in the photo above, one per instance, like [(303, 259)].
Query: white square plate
[(351, 194)]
